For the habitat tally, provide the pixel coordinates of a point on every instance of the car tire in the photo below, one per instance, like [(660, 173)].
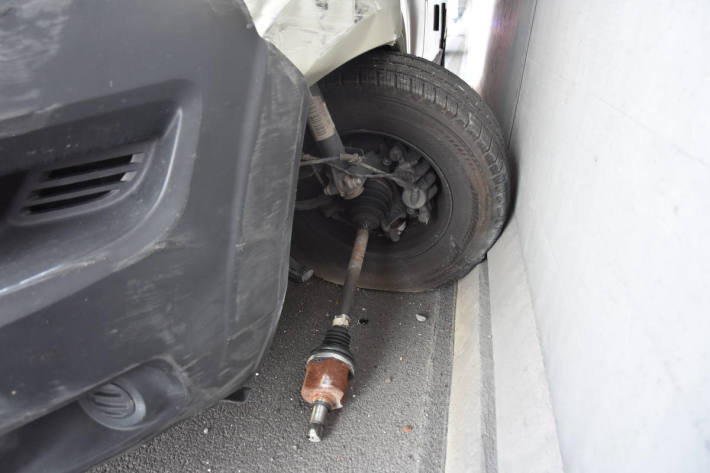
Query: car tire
[(422, 104)]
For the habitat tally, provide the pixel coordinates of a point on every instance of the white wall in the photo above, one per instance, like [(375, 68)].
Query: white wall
[(611, 136)]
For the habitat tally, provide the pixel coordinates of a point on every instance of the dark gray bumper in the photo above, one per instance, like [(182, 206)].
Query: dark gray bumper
[(173, 279)]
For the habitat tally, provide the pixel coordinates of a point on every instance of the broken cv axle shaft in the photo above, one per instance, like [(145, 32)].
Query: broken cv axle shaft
[(331, 363)]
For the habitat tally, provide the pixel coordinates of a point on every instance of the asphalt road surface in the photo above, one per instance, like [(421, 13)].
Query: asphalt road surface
[(395, 413)]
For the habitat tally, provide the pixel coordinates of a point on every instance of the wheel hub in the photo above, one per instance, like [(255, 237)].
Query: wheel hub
[(397, 185)]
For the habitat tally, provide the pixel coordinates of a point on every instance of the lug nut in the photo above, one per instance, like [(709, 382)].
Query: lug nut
[(414, 198)]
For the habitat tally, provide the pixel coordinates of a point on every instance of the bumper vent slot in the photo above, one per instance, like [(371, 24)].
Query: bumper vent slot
[(118, 404), (72, 188), (111, 401)]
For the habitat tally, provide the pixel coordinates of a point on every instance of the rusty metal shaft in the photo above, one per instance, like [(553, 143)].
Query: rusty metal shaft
[(354, 268), (331, 363)]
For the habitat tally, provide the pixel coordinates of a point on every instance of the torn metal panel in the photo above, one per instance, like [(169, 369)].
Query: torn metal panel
[(320, 35)]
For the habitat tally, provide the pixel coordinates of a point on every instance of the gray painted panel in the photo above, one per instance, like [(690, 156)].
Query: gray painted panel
[(610, 136)]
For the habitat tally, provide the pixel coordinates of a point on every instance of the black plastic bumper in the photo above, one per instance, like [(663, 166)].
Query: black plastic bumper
[(168, 279)]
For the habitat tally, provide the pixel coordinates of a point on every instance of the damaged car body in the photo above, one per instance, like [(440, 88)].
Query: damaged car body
[(156, 173)]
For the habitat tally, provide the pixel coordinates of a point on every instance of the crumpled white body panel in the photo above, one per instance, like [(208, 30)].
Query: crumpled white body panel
[(320, 35)]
